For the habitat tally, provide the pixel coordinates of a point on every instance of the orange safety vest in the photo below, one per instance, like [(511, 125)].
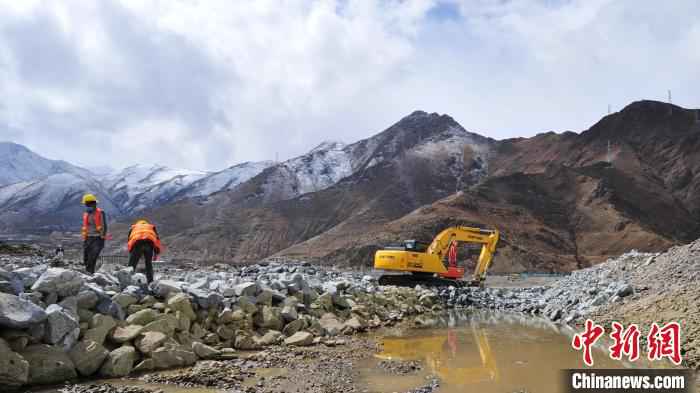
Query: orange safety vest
[(86, 222), (143, 232)]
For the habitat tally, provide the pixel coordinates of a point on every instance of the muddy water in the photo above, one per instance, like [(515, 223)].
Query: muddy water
[(482, 352)]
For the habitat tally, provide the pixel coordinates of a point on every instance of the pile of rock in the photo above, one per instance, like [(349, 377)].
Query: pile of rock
[(57, 324), (568, 300)]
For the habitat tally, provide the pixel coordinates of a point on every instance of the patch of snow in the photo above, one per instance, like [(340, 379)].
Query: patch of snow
[(140, 186), (224, 180)]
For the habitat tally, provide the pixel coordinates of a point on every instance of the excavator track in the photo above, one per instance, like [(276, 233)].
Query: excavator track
[(411, 280)]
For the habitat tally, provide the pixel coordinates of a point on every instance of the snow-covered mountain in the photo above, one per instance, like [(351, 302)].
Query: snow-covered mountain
[(18, 164), (138, 187), (223, 180), (330, 162), (49, 203), (38, 194)]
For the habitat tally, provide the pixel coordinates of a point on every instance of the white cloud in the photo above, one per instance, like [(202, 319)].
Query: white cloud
[(205, 84)]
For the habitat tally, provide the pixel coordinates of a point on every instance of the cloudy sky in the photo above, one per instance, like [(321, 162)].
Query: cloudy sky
[(206, 84)]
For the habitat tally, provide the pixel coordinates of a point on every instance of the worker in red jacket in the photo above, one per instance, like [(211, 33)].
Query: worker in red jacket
[(94, 232), (143, 242)]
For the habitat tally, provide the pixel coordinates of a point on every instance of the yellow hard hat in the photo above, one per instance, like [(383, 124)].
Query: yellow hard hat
[(89, 198), (141, 221)]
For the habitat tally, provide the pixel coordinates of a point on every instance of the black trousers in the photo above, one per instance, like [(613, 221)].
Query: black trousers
[(142, 248), (92, 247)]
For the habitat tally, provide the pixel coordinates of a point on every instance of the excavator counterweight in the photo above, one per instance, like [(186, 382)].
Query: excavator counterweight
[(424, 261)]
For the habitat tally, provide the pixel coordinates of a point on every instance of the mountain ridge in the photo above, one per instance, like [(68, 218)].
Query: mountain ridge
[(561, 200)]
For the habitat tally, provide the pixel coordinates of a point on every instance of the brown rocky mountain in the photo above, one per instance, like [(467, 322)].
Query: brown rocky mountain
[(415, 162), (557, 201)]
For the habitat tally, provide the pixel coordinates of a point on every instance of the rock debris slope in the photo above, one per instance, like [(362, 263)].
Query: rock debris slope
[(57, 324)]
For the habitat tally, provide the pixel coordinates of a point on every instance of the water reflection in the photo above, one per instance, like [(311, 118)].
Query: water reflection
[(489, 352)]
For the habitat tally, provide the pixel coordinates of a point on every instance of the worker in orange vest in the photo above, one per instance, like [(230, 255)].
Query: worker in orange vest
[(143, 242), (94, 231)]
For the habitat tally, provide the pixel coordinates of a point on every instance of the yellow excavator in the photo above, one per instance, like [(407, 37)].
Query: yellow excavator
[(424, 261), (444, 357)]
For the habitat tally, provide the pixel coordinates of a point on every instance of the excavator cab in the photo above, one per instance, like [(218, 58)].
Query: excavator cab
[(416, 246), (409, 245)]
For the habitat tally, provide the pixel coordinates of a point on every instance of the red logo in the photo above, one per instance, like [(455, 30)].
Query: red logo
[(662, 342), (665, 342), (626, 343), (586, 340)]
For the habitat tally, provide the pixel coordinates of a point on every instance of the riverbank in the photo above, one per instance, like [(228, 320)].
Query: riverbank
[(59, 324)]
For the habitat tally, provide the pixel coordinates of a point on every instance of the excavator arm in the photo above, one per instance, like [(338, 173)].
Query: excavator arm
[(486, 237)]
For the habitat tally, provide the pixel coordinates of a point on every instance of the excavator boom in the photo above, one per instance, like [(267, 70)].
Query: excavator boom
[(424, 262)]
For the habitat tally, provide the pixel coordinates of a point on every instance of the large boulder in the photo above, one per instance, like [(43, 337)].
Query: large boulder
[(99, 327), (48, 364), (123, 334), (293, 327), (289, 313), (246, 341), (225, 332), (300, 339), (124, 300), (142, 317), (87, 299), (354, 324), (173, 356), (271, 337), (88, 357), (10, 282), (206, 299), (60, 323), (62, 282), (14, 370), (246, 289), (119, 362), (150, 341), (124, 277), (29, 275), (264, 297), (180, 302), (109, 307), (166, 324), (19, 313), (163, 288), (269, 318), (247, 304), (204, 351), (330, 324)]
